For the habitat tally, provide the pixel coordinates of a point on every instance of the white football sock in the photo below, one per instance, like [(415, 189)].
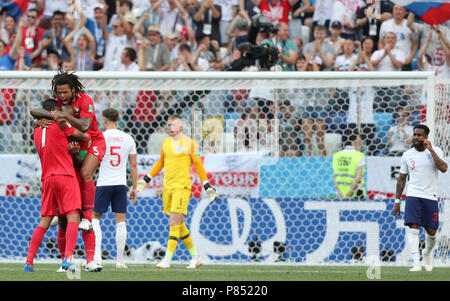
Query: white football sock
[(98, 239), (121, 238), (413, 240), (430, 242)]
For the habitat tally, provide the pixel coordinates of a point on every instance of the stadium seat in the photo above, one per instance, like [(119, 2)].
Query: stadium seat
[(337, 122), (383, 122), (230, 119), (415, 118)]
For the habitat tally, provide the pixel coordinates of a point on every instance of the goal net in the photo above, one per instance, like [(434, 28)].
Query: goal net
[(267, 141)]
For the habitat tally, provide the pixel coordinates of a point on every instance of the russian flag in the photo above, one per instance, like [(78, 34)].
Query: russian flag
[(432, 12), (15, 8)]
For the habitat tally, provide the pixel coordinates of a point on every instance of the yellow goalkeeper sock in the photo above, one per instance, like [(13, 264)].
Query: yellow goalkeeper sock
[(174, 236), (187, 239)]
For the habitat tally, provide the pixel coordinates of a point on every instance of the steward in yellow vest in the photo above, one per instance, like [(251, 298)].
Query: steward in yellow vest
[(348, 170)]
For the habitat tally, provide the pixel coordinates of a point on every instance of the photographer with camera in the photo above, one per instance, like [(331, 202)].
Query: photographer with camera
[(254, 53), (287, 48)]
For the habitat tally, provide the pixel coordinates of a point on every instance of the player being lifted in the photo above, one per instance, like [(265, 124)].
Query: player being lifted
[(59, 185), (68, 90), (422, 163), (178, 153)]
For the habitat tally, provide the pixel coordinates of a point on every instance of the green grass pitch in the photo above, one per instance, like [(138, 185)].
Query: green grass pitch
[(178, 272)]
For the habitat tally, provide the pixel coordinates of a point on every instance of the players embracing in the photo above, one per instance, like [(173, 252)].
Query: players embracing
[(67, 89)]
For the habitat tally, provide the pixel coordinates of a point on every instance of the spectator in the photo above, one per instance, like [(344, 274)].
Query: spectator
[(51, 6), (229, 9), (423, 30), (335, 38), (345, 11), (388, 58), (88, 7), (288, 50), (362, 62), (276, 10), (55, 36), (171, 16), (187, 62), (53, 61), (322, 13), (32, 35), (100, 30), (149, 17), (312, 106), (440, 62), (238, 30), (124, 10), (117, 41), (207, 20), (184, 35), (360, 116), (301, 14), (8, 25), (170, 39), (68, 64), (128, 60), (400, 134), (348, 58), (208, 53), (406, 42), (368, 22), (324, 49), (154, 55), (11, 58), (290, 144), (248, 7), (84, 53)]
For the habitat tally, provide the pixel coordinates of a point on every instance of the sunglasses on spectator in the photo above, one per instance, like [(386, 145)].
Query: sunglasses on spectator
[(32, 17)]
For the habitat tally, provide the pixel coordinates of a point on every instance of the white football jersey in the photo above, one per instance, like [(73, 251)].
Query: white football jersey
[(113, 169), (423, 173)]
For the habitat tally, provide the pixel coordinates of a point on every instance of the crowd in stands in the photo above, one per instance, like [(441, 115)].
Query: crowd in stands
[(204, 35)]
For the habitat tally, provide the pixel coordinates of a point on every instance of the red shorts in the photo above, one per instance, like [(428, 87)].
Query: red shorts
[(96, 147), (60, 192)]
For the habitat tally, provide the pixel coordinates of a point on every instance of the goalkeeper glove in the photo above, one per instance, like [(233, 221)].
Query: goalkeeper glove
[(142, 183), (210, 191)]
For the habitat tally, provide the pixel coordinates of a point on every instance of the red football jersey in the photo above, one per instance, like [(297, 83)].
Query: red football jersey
[(276, 13), (84, 108), (52, 146)]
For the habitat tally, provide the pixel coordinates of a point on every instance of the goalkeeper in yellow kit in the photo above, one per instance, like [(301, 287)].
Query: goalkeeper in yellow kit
[(178, 153)]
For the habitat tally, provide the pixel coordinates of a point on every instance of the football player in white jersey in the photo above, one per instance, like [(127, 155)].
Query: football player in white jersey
[(112, 184), (422, 163)]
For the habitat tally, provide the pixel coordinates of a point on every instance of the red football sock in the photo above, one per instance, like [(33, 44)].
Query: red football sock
[(61, 241), (71, 239), (88, 199), (89, 244), (36, 240)]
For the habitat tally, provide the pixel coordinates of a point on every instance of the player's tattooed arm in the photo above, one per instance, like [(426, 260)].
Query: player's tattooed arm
[(83, 124), (43, 118)]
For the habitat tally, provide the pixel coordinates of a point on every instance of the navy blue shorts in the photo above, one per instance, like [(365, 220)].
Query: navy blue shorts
[(116, 195), (422, 212)]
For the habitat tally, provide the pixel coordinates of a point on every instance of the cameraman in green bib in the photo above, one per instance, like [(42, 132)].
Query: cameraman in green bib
[(349, 167)]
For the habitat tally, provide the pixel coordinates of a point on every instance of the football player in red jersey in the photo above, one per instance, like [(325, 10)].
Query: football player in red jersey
[(68, 90), (59, 185)]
